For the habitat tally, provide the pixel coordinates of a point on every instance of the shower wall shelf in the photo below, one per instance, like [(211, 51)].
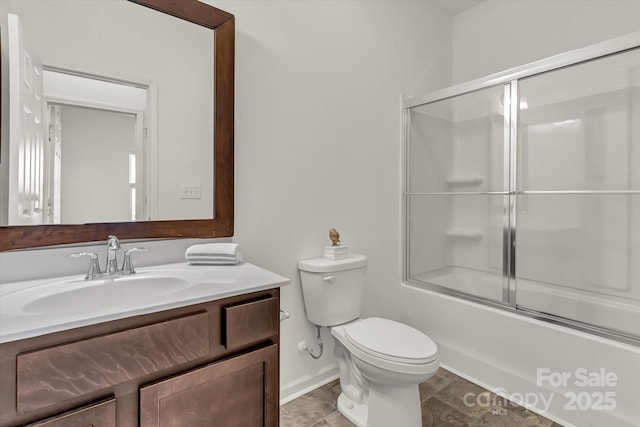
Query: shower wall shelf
[(464, 233), (539, 214), (465, 180)]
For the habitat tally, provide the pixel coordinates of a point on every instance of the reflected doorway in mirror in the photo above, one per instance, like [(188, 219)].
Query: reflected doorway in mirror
[(25, 194), (98, 167)]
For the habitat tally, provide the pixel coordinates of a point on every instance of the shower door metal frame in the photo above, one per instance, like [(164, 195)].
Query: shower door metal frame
[(509, 79)]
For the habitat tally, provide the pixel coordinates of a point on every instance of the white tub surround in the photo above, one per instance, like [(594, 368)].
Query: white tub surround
[(550, 231), (527, 279)]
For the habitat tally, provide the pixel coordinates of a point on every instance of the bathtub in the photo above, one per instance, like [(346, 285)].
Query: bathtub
[(509, 354)]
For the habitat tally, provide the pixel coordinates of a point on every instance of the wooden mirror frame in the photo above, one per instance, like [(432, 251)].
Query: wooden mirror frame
[(32, 236)]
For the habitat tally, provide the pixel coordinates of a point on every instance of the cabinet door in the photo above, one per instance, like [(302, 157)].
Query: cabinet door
[(240, 391), (99, 415)]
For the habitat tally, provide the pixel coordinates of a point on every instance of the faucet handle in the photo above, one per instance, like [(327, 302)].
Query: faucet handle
[(127, 265), (94, 266)]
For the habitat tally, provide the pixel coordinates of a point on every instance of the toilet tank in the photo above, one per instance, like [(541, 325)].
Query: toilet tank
[(333, 290)]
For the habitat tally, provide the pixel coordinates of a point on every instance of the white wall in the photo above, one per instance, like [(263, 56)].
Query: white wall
[(500, 34), (95, 191), (318, 138), (491, 347)]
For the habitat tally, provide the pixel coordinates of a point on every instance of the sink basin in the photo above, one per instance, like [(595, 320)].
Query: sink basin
[(77, 295)]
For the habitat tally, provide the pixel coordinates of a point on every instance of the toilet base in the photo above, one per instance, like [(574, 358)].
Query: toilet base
[(394, 406), (391, 407), (354, 412)]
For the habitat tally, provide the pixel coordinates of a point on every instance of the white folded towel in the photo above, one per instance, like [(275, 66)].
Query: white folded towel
[(214, 254)]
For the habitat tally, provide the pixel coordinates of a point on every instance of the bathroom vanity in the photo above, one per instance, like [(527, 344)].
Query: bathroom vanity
[(205, 353)]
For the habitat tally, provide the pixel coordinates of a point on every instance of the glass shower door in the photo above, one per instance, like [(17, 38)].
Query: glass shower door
[(578, 193), (456, 193)]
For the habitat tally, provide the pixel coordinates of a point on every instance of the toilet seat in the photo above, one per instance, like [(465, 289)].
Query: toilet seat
[(386, 359), (391, 341)]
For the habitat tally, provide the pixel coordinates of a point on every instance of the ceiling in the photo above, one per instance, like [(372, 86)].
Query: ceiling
[(454, 7)]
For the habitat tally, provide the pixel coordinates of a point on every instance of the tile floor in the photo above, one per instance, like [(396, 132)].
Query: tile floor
[(442, 406)]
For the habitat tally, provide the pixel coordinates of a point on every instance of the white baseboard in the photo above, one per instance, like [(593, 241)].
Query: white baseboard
[(303, 385)]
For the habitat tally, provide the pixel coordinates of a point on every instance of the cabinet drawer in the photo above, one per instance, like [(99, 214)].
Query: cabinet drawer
[(250, 322), (52, 375), (102, 414)]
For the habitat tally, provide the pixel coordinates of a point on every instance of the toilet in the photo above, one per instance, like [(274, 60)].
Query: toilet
[(380, 361)]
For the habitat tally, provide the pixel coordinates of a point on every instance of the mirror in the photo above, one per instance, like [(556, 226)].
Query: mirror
[(220, 125)]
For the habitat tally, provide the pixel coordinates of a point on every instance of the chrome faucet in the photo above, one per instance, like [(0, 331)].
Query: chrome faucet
[(94, 267), (111, 268), (113, 245), (127, 264)]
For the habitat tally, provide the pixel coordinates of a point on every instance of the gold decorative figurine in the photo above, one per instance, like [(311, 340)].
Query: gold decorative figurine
[(335, 237)]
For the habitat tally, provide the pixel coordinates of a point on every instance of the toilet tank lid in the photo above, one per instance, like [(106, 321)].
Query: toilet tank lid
[(326, 265)]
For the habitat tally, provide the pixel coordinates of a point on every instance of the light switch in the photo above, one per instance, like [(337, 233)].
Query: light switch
[(190, 192)]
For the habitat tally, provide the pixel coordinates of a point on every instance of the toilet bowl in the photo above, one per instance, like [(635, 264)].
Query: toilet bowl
[(394, 359), (380, 361)]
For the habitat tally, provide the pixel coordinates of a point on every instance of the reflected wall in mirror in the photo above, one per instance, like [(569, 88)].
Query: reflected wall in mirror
[(165, 161), (174, 144)]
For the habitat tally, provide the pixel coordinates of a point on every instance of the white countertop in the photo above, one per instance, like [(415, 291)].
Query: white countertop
[(208, 283)]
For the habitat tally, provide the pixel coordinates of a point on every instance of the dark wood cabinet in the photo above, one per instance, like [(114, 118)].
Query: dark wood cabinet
[(101, 414), (229, 393), (214, 363), (55, 374)]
